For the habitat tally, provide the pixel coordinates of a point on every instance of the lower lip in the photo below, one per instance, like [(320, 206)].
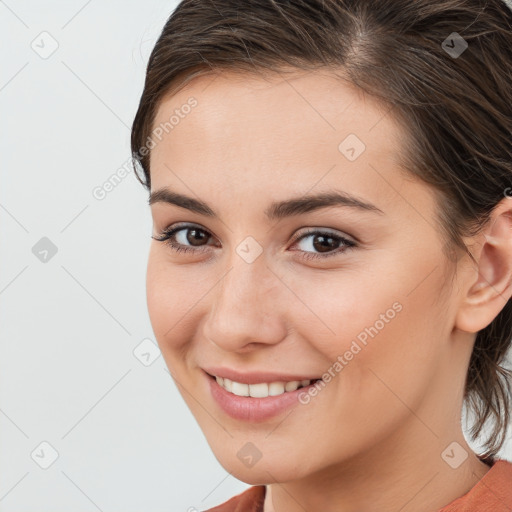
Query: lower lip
[(248, 408)]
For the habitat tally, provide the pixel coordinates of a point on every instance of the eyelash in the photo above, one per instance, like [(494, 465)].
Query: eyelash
[(166, 237)]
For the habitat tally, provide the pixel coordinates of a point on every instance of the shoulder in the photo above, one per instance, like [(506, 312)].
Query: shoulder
[(250, 500), (493, 493)]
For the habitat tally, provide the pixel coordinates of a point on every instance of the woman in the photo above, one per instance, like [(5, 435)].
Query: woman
[(330, 275)]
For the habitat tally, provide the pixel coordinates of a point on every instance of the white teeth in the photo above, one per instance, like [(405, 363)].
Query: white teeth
[(262, 389), (275, 388), (258, 390), (228, 384), (292, 386), (237, 388)]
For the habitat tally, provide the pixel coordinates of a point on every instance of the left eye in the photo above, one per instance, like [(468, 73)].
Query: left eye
[(327, 243), (189, 238)]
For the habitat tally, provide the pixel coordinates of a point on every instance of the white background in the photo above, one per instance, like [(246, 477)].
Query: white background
[(69, 326)]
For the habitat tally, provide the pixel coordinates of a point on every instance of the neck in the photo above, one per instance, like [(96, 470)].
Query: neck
[(400, 474)]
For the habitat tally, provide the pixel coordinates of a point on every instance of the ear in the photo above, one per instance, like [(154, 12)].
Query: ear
[(488, 286)]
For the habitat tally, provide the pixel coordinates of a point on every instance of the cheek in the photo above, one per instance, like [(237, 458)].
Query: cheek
[(169, 297), (177, 300), (156, 297), (375, 364), (349, 306), (378, 333)]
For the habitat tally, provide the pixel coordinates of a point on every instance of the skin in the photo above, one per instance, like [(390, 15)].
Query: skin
[(372, 439)]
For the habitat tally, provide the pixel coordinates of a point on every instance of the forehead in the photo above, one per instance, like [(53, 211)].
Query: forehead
[(296, 106), (266, 135)]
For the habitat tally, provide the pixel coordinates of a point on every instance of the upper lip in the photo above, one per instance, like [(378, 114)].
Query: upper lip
[(254, 377)]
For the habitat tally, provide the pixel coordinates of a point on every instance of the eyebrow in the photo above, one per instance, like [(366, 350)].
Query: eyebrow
[(276, 210)]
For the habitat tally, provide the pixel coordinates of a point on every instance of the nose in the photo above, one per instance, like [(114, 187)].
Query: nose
[(248, 307)]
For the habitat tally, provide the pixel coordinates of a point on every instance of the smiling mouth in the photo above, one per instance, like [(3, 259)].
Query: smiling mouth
[(262, 389)]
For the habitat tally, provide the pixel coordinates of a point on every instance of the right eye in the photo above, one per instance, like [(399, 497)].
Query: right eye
[(178, 237)]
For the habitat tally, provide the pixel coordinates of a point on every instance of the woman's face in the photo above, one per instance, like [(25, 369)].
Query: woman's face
[(247, 293)]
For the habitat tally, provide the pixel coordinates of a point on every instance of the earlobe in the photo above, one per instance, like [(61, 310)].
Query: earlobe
[(486, 294)]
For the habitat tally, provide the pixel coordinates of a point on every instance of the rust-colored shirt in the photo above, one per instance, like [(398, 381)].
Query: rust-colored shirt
[(493, 493)]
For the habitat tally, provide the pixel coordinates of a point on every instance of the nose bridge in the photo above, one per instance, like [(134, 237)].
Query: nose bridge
[(247, 274), (245, 307), (243, 287)]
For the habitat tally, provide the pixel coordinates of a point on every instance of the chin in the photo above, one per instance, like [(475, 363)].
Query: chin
[(268, 471)]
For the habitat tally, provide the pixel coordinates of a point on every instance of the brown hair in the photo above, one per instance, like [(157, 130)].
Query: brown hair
[(455, 109)]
